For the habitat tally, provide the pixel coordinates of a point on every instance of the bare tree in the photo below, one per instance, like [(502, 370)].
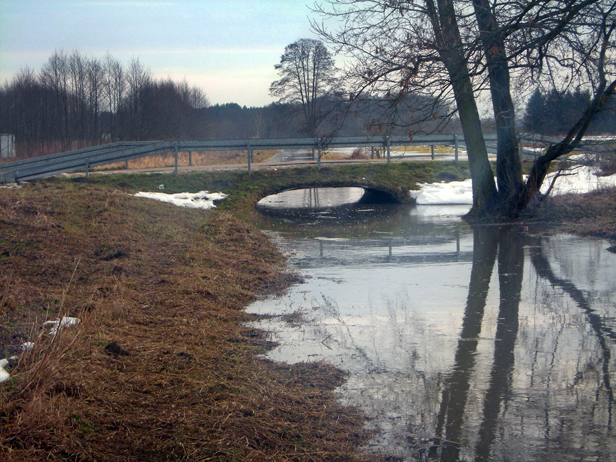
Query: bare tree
[(114, 90), (77, 101), (258, 123), (307, 73), (453, 51), (137, 78), (54, 76)]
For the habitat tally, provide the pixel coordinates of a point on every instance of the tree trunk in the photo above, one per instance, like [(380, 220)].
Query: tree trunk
[(508, 162), (449, 43)]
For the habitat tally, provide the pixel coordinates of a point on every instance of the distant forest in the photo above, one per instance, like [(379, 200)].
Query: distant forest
[(75, 102), (553, 113)]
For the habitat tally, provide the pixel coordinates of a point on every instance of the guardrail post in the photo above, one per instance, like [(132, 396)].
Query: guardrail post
[(249, 156), (175, 149), (457, 242), (388, 150), (455, 140), (432, 151)]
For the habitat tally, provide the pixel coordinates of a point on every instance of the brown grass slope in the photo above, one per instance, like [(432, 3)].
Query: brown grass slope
[(160, 368)]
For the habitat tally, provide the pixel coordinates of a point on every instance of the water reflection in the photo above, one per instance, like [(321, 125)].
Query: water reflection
[(450, 359)]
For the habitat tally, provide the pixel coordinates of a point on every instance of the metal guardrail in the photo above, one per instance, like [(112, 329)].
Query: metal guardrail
[(85, 159)]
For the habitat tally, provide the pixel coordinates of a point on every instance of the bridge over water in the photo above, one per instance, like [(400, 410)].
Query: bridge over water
[(379, 186), (88, 158)]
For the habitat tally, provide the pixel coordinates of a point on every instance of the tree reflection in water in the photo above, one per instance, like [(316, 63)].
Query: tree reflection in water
[(509, 244), (517, 365)]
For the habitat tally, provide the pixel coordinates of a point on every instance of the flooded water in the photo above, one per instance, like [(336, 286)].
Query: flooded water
[(483, 344)]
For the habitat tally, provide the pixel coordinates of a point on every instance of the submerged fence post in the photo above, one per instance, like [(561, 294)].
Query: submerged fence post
[(455, 140)]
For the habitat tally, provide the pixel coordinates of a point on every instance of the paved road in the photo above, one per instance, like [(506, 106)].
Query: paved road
[(287, 158)]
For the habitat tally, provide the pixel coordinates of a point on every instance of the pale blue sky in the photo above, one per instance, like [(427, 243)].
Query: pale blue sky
[(226, 47)]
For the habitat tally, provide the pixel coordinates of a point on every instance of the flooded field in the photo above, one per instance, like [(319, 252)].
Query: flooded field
[(462, 344)]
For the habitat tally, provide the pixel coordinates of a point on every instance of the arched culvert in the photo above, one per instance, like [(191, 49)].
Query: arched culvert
[(376, 196)]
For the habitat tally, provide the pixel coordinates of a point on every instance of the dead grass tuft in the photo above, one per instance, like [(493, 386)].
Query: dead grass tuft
[(161, 367), (358, 153), (589, 214)]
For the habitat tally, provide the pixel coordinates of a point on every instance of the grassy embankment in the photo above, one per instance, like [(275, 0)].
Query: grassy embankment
[(160, 367), (246, 190)]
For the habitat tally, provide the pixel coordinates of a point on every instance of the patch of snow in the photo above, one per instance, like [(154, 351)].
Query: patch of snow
[(56, 326), (200, 200), (66, 321), (4, 375), (454, 192), (576, 180)]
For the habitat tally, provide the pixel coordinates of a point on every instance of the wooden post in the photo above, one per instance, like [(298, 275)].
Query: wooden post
[(432, 151), (455, 140), (319, 155), (248, 154), (388, 151), (190, 158), (175, 170), (371, 152), (87, 168), (457, 242)]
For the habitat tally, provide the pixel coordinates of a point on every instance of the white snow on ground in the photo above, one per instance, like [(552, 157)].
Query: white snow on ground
[(200, 200), (4, 375), (66, 321), (454, 192), (56, 326), (577, 180)]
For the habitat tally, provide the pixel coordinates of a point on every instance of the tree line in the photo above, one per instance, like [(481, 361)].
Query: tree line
[(553, 113), (76, 101)]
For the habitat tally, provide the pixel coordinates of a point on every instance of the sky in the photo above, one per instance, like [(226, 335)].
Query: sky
[(226, 47)]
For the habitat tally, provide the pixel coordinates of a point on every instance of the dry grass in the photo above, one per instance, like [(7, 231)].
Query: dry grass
[(161, 367), (197, 158), (591, 214)]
